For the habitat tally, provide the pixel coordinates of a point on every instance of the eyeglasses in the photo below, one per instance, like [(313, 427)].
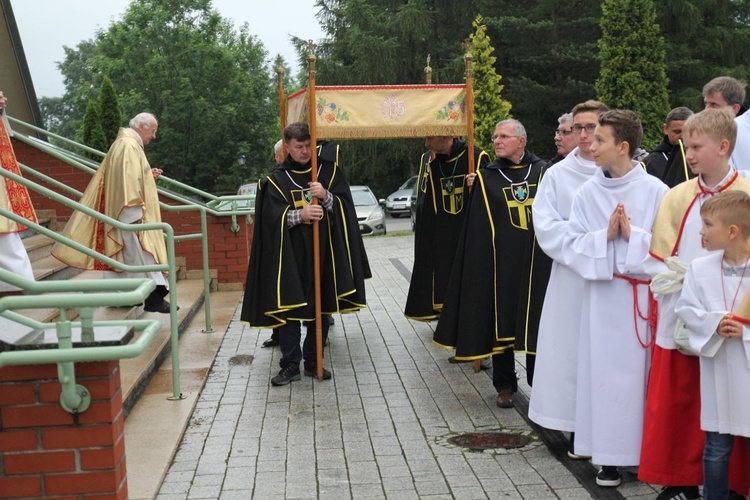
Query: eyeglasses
[(503, 137), (562, 132), (588, 128)]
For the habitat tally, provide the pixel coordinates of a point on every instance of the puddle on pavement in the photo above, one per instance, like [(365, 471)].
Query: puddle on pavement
[(241, 360)]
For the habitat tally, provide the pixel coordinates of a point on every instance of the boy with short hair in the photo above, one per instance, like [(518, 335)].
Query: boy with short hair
[(553, 396), (609, 235), (672, 438), (715, 307)]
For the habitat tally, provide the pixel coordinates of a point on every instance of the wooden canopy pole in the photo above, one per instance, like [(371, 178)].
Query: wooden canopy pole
[(428, 72), (312, 118), (469, 101), (469, 107), (282, 100)]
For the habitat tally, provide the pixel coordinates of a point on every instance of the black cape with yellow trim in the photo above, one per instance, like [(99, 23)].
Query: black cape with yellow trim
[(280, 276), (500, 275), (677, 170), (441, 198)]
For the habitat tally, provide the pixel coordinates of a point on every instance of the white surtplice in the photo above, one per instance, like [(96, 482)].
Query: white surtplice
[(613, 354), (707, 296), (553, 395)]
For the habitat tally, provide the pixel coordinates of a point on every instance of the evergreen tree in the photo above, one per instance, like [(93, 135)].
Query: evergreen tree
[(703, 39), (633, 71), (546, 51), (92, 134), (109, 108), (489, 106)]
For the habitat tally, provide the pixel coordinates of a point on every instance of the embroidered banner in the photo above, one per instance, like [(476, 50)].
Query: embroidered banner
[(383, 112)]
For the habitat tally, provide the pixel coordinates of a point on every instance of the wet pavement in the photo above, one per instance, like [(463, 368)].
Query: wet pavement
[(383, 427)]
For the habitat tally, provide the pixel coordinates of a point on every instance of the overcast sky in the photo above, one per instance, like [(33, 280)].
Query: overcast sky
[(48, 25)]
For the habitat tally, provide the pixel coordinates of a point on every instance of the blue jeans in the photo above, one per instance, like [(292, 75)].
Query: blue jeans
[(716, 453)]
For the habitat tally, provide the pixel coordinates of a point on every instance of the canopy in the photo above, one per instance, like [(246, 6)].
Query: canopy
[(383, 111)]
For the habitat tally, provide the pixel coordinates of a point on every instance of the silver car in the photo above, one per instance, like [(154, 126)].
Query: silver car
[(370, 213), (397, 202)]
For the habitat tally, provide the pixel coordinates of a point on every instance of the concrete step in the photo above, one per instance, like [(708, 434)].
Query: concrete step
[(155, 425), (38, 246), (49, 268)]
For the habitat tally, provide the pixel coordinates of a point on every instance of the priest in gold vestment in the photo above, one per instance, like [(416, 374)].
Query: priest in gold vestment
[(124, 188)]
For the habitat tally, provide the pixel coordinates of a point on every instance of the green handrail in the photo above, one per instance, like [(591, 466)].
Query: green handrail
[(43, 146), (168, 267), (75, 398)]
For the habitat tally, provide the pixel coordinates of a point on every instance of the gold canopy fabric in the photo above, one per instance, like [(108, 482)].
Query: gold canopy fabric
[(14, 197), (383, 112)]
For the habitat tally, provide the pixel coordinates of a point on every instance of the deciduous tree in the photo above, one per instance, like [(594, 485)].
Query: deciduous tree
[(205, 80)]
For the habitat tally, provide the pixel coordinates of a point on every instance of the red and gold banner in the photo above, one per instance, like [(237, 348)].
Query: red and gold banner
[(383, 112), (13, 196)]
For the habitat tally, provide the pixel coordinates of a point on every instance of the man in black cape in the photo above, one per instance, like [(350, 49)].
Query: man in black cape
[(667, 161), (499, 278), (441, 200), (280, 280)]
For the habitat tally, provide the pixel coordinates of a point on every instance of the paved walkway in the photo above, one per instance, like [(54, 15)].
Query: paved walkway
[(379, 429)]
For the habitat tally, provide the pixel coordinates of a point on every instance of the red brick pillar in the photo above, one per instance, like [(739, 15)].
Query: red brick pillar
[(44, 451)]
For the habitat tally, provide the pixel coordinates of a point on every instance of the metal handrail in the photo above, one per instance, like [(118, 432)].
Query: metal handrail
[(168, 267), (75, 398), (213, 206), (41, 145)]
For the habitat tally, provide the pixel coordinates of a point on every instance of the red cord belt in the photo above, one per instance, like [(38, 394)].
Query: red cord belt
[(652, 314)]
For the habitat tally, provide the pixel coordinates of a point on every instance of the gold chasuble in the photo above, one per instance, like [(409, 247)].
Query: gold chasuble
[(123, 180), (14, 197)]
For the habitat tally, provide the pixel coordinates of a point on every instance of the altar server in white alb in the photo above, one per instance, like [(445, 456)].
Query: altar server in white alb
[(609, 234), (715, 306), (553, 395), (672, 446)]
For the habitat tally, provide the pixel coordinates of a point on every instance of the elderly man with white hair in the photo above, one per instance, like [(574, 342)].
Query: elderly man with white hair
[(124, 188)]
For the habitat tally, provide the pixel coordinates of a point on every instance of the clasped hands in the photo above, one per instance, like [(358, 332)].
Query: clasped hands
[(619, 223), (729, 327), (314, 212)]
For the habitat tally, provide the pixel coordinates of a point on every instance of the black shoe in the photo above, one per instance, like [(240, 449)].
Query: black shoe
[(608, 476), (679, 493), (505, 398), (272, 342), (159, 307), (312, 371), (452, 360), (286, 375)]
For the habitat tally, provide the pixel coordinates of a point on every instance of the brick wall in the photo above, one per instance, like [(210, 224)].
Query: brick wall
[(228, 252), (44, 451)]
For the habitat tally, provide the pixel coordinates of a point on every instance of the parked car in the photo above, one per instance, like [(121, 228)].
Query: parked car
[(370, 214), (247, 189), (397, 202)]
